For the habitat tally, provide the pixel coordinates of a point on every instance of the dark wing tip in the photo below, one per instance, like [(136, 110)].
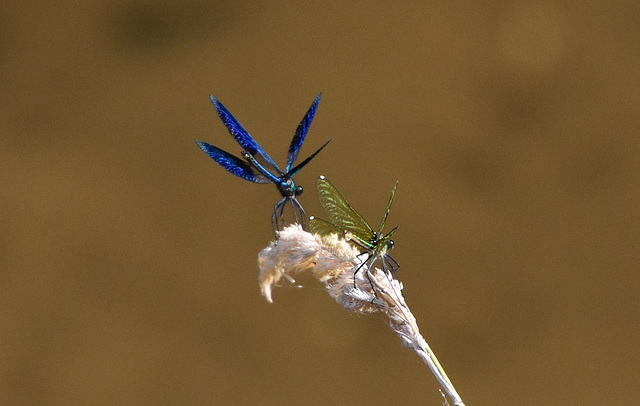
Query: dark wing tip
[(203, 145), (217, 104)]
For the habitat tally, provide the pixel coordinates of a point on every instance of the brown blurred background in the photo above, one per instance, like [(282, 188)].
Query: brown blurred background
[(128, 270)]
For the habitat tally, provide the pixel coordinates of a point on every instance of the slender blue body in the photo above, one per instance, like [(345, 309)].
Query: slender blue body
[(257, 166)]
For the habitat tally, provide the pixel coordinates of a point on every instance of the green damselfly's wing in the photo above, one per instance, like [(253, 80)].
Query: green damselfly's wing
[(340, 212), (323, 227), (384, 243), (386, 213)]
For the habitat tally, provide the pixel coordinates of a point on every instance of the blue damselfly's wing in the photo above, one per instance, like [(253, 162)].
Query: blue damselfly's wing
[(243, 138), (233, 164), (300, 134), (301, 165)]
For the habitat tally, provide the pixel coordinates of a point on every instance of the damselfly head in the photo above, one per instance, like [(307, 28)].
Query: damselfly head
[(288, 188)]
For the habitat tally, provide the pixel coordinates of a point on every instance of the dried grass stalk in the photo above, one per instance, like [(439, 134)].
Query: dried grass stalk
[(333, 262)]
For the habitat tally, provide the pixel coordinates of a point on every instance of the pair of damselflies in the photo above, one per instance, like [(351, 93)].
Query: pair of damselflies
[(257, 166)]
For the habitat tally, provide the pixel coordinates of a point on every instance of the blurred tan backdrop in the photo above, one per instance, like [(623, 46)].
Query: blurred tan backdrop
[(128, 270)]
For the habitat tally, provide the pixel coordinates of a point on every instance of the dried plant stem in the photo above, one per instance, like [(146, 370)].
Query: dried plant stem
[(424, 352), (405, 325), (333, 262)]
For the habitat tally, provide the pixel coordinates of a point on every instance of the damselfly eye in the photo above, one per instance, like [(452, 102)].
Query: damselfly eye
[(259, 167), (390, 244)]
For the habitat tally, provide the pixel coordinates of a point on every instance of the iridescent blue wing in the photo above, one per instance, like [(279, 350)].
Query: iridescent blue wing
[(243, 138), (292, 172), (233, 164), (301, 133)]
